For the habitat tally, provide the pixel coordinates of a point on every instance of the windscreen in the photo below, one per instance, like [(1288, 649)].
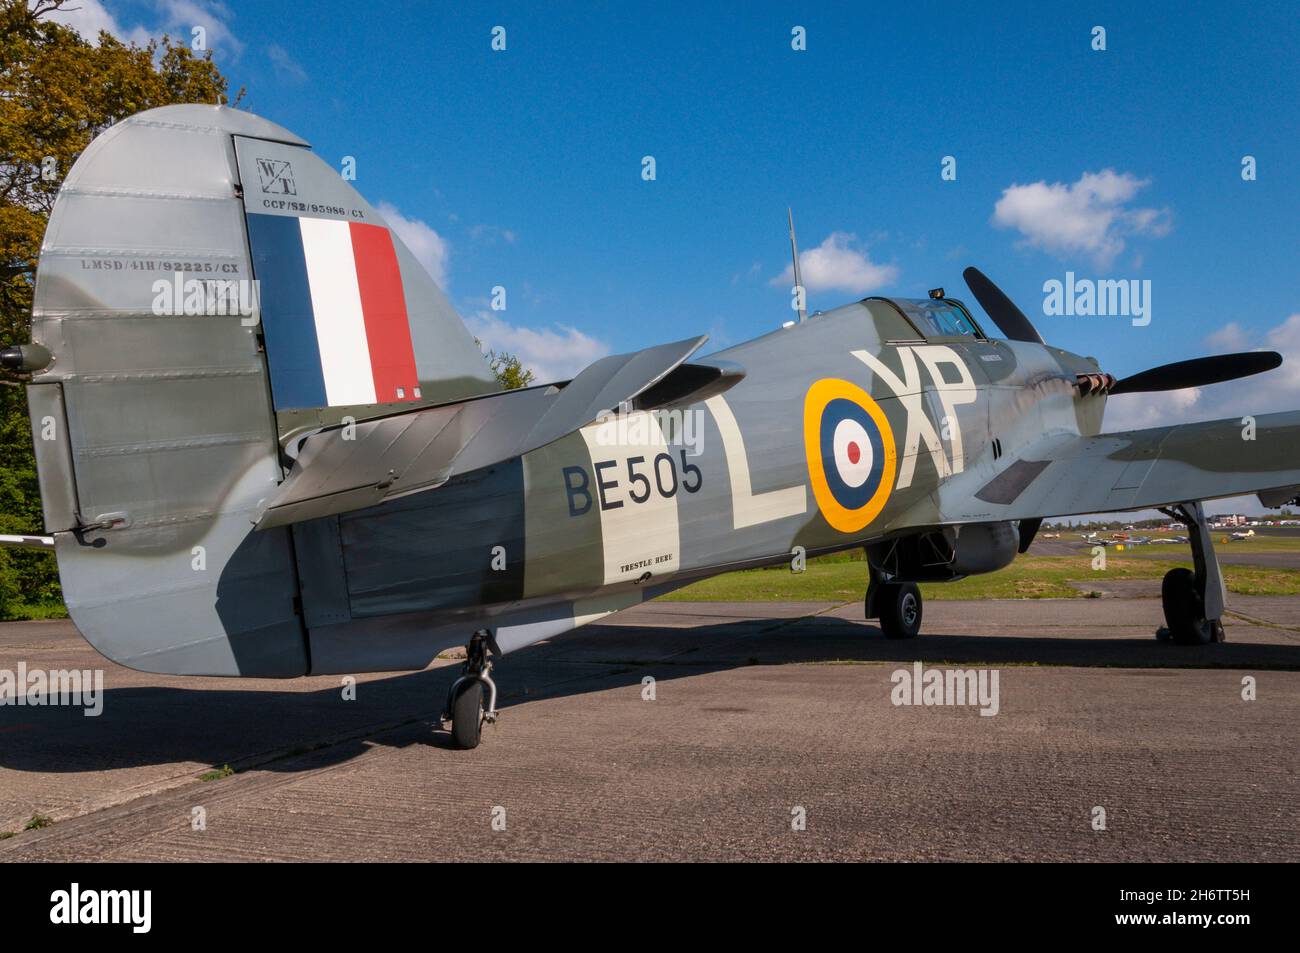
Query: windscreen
[(938, 317)]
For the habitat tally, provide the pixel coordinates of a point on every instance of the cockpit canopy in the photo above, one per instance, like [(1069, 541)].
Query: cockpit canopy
[(935, 317)]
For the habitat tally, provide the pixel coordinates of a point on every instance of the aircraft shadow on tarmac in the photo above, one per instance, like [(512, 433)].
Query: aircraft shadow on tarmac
[(296, 730)]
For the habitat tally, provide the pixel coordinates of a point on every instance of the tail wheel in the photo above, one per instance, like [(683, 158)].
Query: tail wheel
[(900, 610), (1184, 608), (467, 714)]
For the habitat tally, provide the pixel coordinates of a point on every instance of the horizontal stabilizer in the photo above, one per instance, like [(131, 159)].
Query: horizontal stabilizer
[(345, 468)]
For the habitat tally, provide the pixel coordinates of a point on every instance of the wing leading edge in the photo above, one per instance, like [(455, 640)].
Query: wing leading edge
[(339, 469), (1071, 475)]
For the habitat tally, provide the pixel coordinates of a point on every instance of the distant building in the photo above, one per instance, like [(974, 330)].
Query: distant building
[(1229, 519)]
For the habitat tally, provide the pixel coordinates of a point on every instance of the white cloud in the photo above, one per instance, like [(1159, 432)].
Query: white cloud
[(552, 354), (429, 248), (285, 66), (1088, 216), (1285, 335), (88, 18), (1138, 411), (488, 234), (1231, 337), (838, 263), (181, 16), (1270, 392), (177, 18)]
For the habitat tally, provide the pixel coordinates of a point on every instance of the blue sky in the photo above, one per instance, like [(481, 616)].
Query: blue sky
[(526, 164)]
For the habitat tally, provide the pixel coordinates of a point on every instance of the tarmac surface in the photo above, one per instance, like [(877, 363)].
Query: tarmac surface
[(762, 714)]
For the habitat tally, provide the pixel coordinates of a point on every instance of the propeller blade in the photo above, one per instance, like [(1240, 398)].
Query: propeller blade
[(1009, 319), (1199, 372)]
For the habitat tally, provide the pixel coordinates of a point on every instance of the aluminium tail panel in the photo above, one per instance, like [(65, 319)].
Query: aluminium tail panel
[(168, 438)]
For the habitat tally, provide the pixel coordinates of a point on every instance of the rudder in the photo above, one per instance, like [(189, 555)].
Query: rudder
[(165, 413)]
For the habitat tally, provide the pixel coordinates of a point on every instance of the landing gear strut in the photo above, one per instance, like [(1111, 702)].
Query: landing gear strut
[(898, 607), (1193, 600), (465, 709)]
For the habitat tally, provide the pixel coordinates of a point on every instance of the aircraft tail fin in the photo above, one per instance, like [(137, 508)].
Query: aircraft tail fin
[(208, 287), (354, 326)]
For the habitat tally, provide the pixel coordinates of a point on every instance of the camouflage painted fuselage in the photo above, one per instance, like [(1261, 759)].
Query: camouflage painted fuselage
[(627, 507)]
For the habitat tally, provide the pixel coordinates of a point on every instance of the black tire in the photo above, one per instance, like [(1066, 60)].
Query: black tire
[(467, 715), (1184, 608), (900, 610)]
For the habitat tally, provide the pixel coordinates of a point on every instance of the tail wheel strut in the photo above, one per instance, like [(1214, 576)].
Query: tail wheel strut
[(465, 707)]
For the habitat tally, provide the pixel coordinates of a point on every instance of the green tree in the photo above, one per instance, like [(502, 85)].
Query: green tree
[(57, 92), (509, 370)]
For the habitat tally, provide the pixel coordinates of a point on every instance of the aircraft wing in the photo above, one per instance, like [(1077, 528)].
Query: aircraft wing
[(1070, 475), (340, 469)]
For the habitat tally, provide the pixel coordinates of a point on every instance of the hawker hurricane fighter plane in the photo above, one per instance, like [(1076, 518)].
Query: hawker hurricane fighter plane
[(267, 445)]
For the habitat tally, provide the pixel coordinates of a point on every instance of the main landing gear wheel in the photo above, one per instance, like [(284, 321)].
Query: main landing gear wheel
[(1185, 611), (1193, 599), (900, 610), (466, 709)]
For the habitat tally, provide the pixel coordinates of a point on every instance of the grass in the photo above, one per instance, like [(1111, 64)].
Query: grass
[(1223, 542), (843, 579), (217, 774), (1257, 581), (37, 822), (1257, 544)]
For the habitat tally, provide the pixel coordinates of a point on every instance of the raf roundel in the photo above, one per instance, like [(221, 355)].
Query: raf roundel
[(850, 452)]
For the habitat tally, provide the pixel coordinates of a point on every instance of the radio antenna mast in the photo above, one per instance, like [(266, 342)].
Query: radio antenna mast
[(798, 281)]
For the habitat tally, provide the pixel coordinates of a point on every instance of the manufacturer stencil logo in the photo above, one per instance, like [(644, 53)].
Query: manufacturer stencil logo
[(93, 907), (276, 176)]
